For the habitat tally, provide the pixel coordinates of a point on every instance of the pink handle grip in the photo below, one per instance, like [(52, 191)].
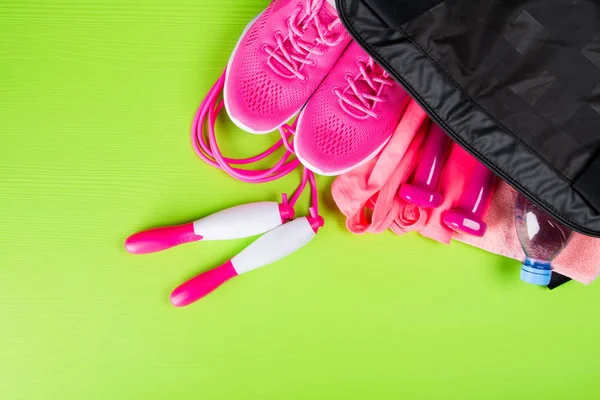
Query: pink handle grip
[(201, 285), (422, 190), (159, 239), (468, 216)]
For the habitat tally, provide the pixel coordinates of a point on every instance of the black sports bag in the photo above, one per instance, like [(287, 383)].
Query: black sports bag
[(516, 83)]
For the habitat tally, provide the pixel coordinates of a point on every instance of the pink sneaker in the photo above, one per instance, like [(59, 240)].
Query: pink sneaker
[(280, 60), (351, 116)]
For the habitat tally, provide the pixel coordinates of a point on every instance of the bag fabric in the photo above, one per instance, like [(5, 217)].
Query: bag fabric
[(515, 83)]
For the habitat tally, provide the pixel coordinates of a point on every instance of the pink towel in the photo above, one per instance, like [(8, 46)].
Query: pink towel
[(367, 197)]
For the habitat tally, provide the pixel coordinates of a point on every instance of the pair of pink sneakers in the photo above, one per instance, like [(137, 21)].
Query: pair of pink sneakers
[(296, 56)]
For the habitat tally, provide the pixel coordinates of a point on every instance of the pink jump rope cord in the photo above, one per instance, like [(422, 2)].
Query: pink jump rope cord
[(206, 116)]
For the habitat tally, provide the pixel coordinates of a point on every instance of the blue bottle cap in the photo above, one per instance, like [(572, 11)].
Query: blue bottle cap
[(535, 276)]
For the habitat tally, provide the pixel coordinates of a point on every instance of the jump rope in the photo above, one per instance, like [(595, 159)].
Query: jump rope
[(210, 153), (282, 234)]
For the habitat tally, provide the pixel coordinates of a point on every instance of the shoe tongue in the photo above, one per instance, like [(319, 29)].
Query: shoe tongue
[(363, 88), (326, 15), (361, 83)]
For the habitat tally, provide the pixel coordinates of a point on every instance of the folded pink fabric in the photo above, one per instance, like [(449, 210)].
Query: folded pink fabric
[(367, 196)]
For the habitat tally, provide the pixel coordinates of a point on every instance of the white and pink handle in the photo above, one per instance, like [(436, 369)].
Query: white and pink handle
[(233, 223), (271, 247)]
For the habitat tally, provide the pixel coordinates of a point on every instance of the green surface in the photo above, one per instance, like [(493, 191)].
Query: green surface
[(96, 99)]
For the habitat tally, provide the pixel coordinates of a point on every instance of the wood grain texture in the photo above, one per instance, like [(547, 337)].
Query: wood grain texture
[(96, 100)]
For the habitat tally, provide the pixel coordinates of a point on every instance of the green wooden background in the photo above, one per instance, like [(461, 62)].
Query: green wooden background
[(96, 100)]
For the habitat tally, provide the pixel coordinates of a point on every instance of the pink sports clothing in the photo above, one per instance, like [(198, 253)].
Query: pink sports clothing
[(351, 116), (279, 62)]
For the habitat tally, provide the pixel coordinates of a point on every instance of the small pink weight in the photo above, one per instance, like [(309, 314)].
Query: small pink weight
[(422, 191), (468, 216)]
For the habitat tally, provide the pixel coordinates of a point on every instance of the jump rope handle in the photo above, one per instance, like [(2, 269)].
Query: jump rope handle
[(232, 223), (270, 247)]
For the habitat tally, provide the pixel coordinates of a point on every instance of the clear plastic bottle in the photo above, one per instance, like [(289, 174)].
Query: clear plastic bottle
[(542, 239)]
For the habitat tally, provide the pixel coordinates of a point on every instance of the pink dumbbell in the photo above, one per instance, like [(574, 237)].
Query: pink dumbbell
[(422, 191), (468, 216)]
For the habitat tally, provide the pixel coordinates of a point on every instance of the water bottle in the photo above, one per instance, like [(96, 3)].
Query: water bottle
[(542, 239)]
